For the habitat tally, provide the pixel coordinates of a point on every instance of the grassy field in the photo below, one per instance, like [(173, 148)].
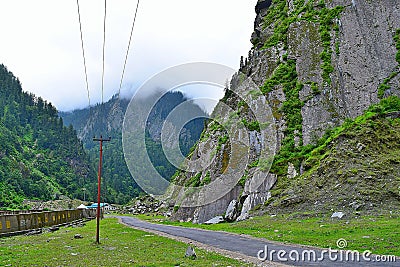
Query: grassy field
[(120, 246), (380, 234)]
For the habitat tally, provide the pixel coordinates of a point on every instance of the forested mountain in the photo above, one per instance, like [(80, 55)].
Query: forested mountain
[(106, 119), (40, 158)]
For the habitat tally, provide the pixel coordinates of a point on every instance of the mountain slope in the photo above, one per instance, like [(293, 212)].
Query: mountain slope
[(317, 64), (106, 119), (353, 168), (40, 158)]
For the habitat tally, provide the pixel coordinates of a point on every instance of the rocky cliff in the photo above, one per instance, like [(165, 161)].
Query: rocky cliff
[(317, 63)]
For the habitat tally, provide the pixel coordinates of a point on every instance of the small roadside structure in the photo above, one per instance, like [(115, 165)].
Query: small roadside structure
[(81, 207), (104, 206)]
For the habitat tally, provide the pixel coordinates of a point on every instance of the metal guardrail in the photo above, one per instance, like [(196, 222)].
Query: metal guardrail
[(15, 212), (20, 222)]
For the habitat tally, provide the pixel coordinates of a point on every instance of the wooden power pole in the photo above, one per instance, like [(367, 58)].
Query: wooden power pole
[(101, 140)]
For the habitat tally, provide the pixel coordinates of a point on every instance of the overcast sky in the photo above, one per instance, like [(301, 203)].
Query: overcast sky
[(40, 42)]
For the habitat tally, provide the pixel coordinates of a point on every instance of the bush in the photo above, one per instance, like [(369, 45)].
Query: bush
[(390, 104)]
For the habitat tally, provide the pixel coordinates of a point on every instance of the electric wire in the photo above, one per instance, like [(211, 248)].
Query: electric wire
[(104, 45), (127, 50), (103, 61), (103, 195), (83, 52)]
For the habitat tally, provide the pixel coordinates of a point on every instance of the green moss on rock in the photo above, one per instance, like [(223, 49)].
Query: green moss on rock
[(360, 159)]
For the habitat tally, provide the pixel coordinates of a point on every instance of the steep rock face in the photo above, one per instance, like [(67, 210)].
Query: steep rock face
[(364, 56), (256, 195), (207, 212), (317, 63)]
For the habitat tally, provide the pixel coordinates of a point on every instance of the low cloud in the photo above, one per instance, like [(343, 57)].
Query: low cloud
[(42, 45)]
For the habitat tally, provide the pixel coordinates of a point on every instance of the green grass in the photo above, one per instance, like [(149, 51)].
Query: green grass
[(120, 246), (379, 234)]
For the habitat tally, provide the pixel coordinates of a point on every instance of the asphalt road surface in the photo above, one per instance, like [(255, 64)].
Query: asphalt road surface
[(262, 249)]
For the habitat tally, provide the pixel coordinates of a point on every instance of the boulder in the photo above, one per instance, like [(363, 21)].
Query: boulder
[(215, 220), (78, 236), (190, 253), (232, 211), (337, 215)]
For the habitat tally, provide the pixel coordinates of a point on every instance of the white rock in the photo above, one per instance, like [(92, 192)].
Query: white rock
[(337, 215), (215, 220)]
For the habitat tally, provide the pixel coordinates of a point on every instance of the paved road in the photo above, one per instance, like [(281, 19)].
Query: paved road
[(251, 247)]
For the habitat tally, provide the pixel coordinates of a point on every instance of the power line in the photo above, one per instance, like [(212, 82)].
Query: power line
[(83, 52), (127, 51), (104, 45)]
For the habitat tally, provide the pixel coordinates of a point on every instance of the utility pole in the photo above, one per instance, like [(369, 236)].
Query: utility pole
[(101, 140), (84, 194)]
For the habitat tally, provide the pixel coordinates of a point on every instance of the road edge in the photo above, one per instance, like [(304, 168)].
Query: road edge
[(223, 252)]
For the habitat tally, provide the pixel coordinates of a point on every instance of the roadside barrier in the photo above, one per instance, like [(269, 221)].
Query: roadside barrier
[(19, 223)]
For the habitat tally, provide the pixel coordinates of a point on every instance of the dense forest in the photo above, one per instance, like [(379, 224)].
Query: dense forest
[(43, 157), (40, 158), (106, 119)]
